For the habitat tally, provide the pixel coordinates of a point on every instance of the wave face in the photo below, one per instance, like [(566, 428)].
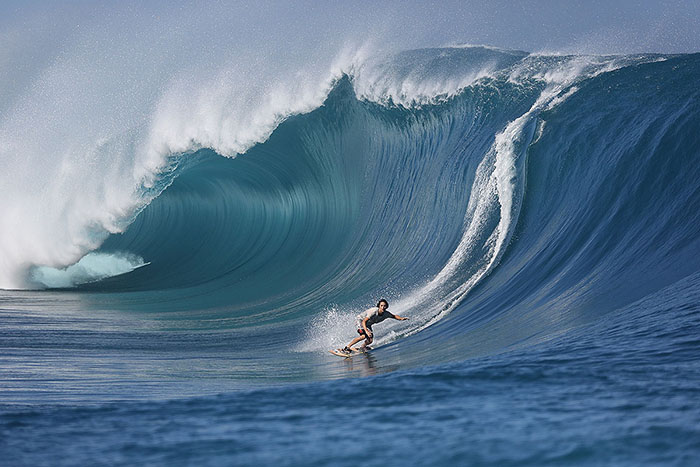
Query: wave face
[(495, 197), (188, 248)]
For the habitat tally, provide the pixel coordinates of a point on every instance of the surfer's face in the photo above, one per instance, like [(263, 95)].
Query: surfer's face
[(383, 306)]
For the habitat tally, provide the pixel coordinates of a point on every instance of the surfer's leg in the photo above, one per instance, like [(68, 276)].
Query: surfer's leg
[(368, 341), (362, 335), (355, 341)]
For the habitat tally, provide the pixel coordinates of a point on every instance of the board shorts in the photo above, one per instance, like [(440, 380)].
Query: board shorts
[(362, 332)]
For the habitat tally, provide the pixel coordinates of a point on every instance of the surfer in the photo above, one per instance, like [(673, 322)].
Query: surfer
[(366, 319)]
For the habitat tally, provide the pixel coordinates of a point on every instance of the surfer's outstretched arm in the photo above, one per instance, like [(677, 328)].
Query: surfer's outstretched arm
[(400, 318)]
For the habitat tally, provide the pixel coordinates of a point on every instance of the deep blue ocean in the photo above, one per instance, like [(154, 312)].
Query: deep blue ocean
[(536, 217)]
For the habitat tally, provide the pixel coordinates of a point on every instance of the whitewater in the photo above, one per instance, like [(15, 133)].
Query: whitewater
[(191, 220)]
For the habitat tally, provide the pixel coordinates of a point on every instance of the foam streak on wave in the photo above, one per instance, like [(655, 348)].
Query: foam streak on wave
[(497, 191)]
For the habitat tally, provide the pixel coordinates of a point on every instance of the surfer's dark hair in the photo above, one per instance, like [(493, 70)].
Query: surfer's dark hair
[(380, 302)]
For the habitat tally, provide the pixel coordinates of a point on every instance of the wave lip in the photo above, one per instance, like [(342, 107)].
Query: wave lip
[(428, 76)]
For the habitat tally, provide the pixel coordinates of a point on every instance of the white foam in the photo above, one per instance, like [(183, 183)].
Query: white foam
[(92, 267), (332, 329)]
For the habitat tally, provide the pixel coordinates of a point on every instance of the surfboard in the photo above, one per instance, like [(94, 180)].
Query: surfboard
[(340, 353)]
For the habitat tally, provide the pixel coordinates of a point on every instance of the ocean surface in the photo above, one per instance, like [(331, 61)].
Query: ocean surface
[(172, 277)]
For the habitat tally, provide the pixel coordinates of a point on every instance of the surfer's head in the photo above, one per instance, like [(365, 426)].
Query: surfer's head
[(383, 302)]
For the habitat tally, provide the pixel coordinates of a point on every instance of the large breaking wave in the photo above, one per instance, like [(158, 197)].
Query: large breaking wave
[(529, 192)]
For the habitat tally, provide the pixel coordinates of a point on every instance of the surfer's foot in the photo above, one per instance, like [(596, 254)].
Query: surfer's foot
[(346, 349)]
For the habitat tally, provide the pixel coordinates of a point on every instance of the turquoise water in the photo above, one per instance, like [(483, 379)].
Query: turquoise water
[(538, 225)]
